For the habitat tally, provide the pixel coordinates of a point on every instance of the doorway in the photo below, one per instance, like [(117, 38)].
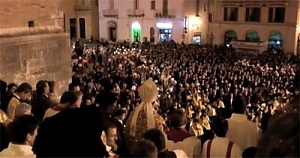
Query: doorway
[(135, 32), (82, 28), (152, 35), (197, 38), (73, 28), (112, 31), (165, 35)]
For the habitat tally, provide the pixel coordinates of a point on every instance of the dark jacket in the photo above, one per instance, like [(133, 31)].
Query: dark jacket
[(39, 106), (71, 133)]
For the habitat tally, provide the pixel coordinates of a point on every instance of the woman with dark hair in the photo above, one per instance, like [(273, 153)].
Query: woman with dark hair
[(41, 102)]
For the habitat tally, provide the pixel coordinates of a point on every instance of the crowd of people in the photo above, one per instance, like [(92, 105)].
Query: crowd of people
[(212, 102)]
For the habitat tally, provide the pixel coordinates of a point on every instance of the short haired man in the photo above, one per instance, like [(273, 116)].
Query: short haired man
[(22, 93), (74, 87), (158, 139), (220, 146), (111, 136), (145, 149), (242, 131), (24, 131), (178, 121)]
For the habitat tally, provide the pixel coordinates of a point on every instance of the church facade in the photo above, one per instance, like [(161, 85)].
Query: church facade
[(140, 20)]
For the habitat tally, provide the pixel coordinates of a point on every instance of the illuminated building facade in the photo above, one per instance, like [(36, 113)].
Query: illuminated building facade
[(253, 24), (80, 18), (140, 20)]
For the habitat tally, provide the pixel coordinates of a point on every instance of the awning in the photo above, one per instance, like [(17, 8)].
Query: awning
[(230, 34)]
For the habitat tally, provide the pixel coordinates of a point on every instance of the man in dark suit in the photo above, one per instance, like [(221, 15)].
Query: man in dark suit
[(71, 133), (228, 100), (106, 100)]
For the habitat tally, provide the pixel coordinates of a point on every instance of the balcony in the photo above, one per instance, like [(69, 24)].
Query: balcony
[(258, 3), (169, 15), (136, 13), (110, 13), (81, 8)]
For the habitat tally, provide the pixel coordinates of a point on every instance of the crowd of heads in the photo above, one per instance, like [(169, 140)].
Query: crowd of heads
[(192, 81)]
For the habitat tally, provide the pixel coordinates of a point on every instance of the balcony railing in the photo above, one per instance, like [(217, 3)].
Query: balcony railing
[(169, 15), (80, 7), (255, 2), (135, 13), (110, 13)]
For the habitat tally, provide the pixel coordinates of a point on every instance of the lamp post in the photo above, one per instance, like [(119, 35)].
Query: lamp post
[(212, 39), (184, 28)]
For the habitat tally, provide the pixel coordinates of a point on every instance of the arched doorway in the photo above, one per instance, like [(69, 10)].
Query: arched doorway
[(252, 36), (275, 41), (152, 35), (112, 31), (230, 36), (135, 32)]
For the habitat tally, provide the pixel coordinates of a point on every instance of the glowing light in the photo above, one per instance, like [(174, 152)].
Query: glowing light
[(164, 25), (136, 25), (195, 22), (278, 42)]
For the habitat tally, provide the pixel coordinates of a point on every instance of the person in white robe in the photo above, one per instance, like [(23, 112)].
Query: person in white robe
[(157, 137), (220, 146), (144, 116), (242, 131), (23, 135)]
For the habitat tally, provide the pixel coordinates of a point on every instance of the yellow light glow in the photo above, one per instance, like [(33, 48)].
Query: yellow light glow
[(194, 22)]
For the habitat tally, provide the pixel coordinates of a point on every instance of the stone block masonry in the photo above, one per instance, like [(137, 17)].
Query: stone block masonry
[(33, 54), (17, 13)]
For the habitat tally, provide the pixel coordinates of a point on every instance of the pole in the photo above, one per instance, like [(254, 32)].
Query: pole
[(77, 20)]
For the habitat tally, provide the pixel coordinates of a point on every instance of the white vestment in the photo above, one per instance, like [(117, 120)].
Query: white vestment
[(242, 131)]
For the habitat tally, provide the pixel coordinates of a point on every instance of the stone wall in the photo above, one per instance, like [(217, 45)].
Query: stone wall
[(32, 54), (17, 13)]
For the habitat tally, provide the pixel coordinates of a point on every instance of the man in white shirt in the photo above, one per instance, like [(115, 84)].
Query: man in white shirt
[(220, 146), (23, 134), (242, 131)]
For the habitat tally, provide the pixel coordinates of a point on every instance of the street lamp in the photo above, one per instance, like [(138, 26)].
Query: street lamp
[(212, 38)]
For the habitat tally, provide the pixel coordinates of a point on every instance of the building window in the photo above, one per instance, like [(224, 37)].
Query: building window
[(82, 26), (152, 5), (31, 24), (197, 7), (111, 4), (204, 7), (165, 7), (230, 14), (136, 4), (252, 14), (210, 17), (277, 15)]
